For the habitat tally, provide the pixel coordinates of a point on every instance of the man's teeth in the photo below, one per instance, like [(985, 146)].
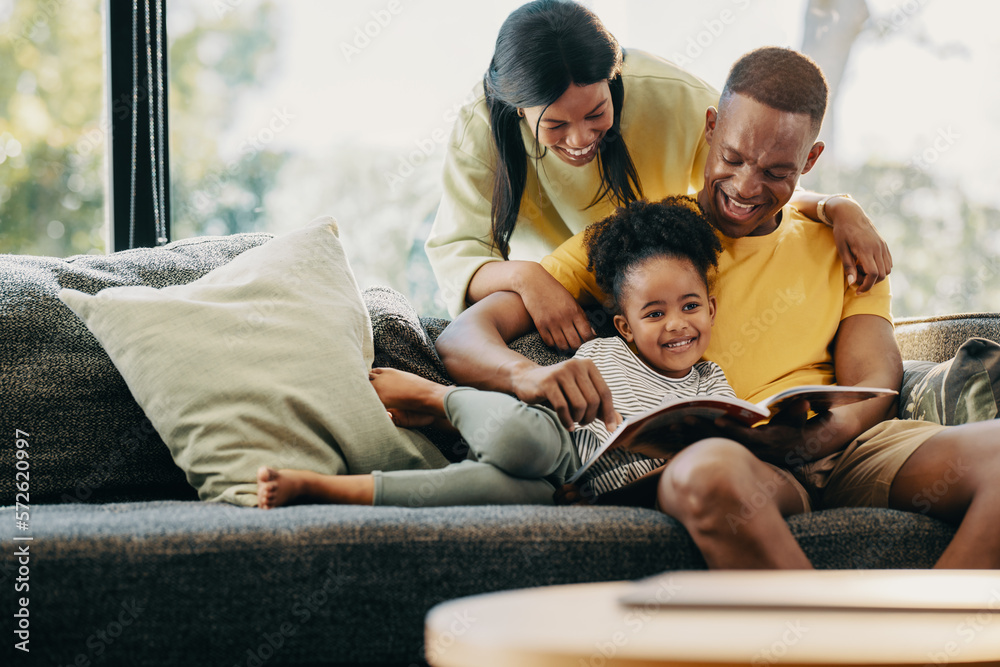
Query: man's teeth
[(745, 207)]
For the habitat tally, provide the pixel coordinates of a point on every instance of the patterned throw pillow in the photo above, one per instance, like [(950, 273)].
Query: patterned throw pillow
[(405, 341), (957, 391)]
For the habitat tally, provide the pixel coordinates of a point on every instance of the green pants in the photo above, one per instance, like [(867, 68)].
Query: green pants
[(518, 454)]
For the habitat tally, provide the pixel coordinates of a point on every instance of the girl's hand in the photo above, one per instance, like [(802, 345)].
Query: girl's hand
[(409, 419), (864, 253), (569, 494)]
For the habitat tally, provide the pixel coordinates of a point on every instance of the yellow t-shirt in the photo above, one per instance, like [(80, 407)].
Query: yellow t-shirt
[(781, 298), (663, 124)]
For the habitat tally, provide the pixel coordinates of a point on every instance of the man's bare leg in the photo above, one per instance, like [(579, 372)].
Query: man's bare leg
[(733, 505), (276, 488), (953, 476)]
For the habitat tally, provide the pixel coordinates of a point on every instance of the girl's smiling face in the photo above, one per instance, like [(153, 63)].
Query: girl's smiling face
[(573, 126), (667, 312)]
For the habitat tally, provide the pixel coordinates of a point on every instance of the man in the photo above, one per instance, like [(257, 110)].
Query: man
[(786, 317)]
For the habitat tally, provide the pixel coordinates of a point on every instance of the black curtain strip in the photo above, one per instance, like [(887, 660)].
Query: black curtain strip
[(137, 115)]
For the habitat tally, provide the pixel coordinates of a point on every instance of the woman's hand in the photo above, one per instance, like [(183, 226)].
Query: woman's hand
[(559, 319), (556, 315), (864, 253)]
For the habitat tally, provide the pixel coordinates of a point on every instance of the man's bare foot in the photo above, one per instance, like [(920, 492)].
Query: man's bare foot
[(276, 488), (399, 390)]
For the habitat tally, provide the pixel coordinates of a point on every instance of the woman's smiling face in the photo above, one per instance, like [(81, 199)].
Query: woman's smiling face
[(573, 126)]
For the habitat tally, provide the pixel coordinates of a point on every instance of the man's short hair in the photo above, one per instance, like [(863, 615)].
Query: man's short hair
[(781, 78)]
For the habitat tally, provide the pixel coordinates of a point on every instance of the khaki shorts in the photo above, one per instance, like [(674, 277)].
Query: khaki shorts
[(862, 473), (789, 477)]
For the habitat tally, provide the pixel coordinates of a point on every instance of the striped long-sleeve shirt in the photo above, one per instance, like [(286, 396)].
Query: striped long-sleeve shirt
[(635, 388)]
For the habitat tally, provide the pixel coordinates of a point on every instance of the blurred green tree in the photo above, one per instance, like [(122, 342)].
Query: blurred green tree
[(51, 136), (960, 270), (53, 126), (213, 64)]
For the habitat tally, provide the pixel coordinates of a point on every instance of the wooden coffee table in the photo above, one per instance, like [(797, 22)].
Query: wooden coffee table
[(586, 625)]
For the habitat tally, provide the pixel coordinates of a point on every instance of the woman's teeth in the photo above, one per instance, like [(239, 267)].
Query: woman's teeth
[(582, 151)]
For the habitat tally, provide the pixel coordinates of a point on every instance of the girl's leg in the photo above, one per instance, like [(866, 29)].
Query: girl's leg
[(514, 446), (276, 488), (523, 440), (520, 453), (465, 483)]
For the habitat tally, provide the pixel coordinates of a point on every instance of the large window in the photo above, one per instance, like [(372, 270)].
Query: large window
[(52, 139), (283, 111), (280, 111)]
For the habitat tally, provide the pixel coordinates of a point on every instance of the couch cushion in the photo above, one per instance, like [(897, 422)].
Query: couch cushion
[(938, 338), (405, 341), (263, 361), (963, 389), (89, 440), (339, 584)]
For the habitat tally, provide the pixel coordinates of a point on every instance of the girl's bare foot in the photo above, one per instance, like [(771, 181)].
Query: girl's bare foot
[(399, 390), (276, 488)]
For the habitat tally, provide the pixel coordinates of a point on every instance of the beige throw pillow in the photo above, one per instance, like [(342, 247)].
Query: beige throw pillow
[(262, 361)]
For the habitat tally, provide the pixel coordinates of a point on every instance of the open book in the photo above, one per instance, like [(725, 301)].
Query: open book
[(654, 432)]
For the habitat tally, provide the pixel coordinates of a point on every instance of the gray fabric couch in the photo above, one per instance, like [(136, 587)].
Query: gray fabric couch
[(127, 567)]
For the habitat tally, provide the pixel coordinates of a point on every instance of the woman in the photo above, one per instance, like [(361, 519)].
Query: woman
[(568, 128)]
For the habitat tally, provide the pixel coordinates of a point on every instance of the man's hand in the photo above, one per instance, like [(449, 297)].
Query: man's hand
[(559, 319), (864, 253), (787, 442), (573, 388)]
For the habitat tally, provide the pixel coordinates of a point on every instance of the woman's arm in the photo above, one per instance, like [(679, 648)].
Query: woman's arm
[(864, 253), (458, 245), (557, 316)]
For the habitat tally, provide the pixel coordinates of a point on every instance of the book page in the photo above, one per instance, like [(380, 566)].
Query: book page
[(819, 398)]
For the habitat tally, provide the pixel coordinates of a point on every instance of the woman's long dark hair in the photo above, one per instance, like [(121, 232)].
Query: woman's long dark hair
[(544, 47)]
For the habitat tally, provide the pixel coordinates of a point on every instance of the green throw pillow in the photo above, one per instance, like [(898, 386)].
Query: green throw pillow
[(262, 361), (958, 391)]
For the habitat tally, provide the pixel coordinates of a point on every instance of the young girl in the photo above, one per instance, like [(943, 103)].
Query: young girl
[(656, 260)]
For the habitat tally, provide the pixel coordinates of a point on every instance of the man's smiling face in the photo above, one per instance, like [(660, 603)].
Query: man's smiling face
[(756, 154)]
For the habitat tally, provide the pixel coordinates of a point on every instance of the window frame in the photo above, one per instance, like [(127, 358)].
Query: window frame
[(122, 34)]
